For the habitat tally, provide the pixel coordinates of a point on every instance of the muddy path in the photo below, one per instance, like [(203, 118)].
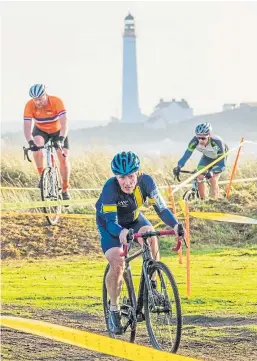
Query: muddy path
[(205, 338)]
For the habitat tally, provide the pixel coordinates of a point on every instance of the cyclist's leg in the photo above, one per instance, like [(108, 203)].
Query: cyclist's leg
[(39, 139), (142, 224), (64, 165), (217, 170), (112, 249), (204, 161)]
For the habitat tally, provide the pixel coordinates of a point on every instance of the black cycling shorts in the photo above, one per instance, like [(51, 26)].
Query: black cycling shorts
[(36, 131)]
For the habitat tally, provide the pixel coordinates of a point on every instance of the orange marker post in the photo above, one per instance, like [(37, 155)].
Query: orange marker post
[(234, 170), (188, 250), (180, 258)]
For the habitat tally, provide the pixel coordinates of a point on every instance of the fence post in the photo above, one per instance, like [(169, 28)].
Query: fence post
[(180, 256), (188, 249), (233, 170)]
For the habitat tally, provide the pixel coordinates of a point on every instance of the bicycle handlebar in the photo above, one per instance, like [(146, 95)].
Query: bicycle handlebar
[(184, 171), (26, 151), (131, 236)]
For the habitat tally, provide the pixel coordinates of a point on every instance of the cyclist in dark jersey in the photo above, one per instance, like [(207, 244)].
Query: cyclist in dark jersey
[(117, 210), (212, 148)]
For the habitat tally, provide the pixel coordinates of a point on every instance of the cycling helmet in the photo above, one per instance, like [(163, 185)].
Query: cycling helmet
[(37, 90), (204, 128), (125, 163)]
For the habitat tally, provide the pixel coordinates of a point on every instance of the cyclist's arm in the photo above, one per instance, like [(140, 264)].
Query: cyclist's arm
[(64, 125), (221, 150), (160, 207), (27, 130), (109, 209), (191, 147), (62, 117), (28, 116)]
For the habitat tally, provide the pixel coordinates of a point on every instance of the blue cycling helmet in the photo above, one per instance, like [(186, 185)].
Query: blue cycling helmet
[(204, 128), (37, 90), (125, 163)]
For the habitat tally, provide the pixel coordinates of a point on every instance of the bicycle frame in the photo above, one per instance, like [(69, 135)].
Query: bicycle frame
[(148, 260), (196, 181), (51, 160), (51, 163), (50, 179)]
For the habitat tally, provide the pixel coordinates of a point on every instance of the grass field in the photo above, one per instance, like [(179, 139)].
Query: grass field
[(221, 308), (55, 273), (223, 282)]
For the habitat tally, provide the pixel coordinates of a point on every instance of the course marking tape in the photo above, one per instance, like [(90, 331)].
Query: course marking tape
[(90, 341), (224, 217), (24, 205), (241, 180)]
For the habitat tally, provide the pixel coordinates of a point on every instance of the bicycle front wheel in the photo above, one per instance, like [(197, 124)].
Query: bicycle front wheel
[(163, 310), (190, 195), (127, 308), (51, 191)]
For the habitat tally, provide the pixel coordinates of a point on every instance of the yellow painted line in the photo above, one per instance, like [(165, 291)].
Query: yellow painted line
[(223, 217), (90, 341)]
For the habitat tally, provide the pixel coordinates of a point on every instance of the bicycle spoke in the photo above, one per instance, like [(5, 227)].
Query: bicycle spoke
[(50, 192)]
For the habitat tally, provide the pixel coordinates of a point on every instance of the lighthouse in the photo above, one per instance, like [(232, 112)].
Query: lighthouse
[(130, 108)]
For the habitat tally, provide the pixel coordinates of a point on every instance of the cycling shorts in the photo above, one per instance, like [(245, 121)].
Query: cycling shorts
[(108, 240), (36, 131)]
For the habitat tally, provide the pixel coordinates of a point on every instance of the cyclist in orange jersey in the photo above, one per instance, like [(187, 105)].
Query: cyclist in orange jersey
[(50, 121)]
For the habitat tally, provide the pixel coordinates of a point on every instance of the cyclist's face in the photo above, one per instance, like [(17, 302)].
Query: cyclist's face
[(41, 102), (128, 182), (203, 140)]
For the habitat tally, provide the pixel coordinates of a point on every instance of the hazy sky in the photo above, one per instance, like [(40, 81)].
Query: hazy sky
[(205, 52)]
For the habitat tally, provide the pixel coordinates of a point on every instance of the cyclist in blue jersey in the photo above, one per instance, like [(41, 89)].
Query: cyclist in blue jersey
[(212, 148), (117, 210)]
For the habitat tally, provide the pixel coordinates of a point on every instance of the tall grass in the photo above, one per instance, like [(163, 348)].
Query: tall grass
[(92, 169)]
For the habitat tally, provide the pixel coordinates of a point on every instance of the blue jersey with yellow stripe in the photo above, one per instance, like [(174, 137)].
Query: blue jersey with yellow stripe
[(116, 209)]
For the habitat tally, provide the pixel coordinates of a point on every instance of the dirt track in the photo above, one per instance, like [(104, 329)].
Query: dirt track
[(232, 343)]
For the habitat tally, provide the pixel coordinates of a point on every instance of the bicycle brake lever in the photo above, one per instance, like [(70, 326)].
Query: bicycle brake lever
[(26, 154), (176, 177), (181, 232), (130, 237)]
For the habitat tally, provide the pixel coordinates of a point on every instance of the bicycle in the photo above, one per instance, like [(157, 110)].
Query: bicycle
[(50, 180), (193, 193), (163, 309)]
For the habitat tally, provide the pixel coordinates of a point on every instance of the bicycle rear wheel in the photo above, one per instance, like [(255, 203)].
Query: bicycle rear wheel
[(163, 310), (51, 191), (127, 308)]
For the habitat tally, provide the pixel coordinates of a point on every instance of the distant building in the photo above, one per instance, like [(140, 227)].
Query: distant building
[(168, 112), (248, 104), (228, 106)]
